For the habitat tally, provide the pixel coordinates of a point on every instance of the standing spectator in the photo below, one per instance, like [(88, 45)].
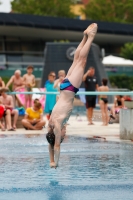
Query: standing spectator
[(2, 83), (7, 101), (16, 80), (90, 85), (33, 119), (50, 98), (61, 76), (29, 80), (17, 84), (103, 101)]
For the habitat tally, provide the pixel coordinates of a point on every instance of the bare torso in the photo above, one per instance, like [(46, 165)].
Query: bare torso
[(7, 101), (62, 109), (29, 79), (103, 89), (17, 82)]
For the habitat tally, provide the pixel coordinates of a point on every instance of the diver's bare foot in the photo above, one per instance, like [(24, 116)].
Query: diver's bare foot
[(91, 30)]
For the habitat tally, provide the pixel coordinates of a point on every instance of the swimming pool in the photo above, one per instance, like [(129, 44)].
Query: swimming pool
[(89, 169)]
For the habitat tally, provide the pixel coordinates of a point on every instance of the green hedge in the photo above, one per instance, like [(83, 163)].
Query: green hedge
[(6, 79), (122, 81)]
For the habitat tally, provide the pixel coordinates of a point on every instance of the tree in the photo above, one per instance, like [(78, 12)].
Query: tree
[(122, 81), (110, 10), (60, 8), (127, 51)]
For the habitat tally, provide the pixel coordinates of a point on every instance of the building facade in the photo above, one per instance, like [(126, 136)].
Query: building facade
[(23, 38)]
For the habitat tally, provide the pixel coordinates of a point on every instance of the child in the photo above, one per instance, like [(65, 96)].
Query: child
[(29, 80), (61, 76)]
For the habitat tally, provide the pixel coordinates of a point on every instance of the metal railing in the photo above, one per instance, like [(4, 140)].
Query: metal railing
[(130, 93)]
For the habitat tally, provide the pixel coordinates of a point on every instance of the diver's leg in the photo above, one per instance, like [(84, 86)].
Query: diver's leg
[(76, 55), (77, 74)]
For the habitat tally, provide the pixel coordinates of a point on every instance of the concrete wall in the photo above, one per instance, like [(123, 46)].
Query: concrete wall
[(126, 124)]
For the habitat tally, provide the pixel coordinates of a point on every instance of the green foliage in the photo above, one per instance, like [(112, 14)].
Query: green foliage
[(122, 81), (60, 8), (110, 10), (6, 79), (127, 51)]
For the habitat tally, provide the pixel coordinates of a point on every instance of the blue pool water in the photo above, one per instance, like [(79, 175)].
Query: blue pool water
[(89, 169)]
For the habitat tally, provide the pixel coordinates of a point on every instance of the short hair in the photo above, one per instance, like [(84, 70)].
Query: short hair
[(17, 71), (52, 72), (105, 81), (38, 104), (36, 100), (30, 67), (4, 90), (61, 72), (92, 68)]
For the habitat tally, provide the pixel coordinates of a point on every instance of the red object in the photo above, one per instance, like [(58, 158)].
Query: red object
[(85, 2), (48, 117), (1, 111), (128, 99)]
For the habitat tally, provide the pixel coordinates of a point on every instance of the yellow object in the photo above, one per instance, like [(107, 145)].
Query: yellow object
[(76, 9), (32, 114)]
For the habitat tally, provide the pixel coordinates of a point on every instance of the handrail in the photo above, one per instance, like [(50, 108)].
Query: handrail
[(79, 93)]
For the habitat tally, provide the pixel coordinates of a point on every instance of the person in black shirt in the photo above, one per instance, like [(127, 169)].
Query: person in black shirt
[(90, 85)]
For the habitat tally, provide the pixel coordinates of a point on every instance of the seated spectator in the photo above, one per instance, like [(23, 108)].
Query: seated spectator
[(2, 83), (2, 112), (118, 104), (2, 115), (7, 101), (33, 119)]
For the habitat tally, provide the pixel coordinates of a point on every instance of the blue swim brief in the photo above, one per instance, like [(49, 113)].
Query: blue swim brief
[(66, 85)]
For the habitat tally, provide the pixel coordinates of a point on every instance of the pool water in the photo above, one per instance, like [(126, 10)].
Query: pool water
[(88, 169)]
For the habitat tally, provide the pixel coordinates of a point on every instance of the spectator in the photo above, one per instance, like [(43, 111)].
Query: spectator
[(50, 98), (2, 112), (17, 84), (118, 104), (29, 80), (7, 101), (103, 101), (16, 80), (2, 83), (33, 119), (90, 85), (61, 76)]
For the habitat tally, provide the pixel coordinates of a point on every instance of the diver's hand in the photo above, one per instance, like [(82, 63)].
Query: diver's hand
[(53, 165)]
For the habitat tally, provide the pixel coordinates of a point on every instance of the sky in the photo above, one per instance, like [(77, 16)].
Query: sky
[(5, 6)]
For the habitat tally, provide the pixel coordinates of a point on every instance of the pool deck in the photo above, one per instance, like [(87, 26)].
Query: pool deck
[(78, 126)]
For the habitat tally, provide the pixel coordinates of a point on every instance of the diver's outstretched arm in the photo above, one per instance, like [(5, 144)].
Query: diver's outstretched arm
[(51, 154), (57, 132)]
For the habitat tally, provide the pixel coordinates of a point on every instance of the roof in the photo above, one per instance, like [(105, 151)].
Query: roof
[(25, 20), (116, 61)]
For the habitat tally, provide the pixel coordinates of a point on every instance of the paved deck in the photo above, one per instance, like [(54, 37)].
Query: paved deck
[(79, 127)]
